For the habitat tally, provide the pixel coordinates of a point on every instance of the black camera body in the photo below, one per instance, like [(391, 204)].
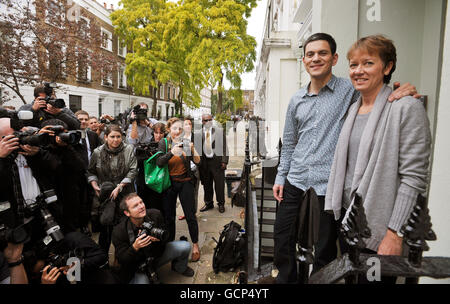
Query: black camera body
[(29, 137), (39, 207), (149, 229), (144, 151), (139, 113), (10, 232), (71, 138)]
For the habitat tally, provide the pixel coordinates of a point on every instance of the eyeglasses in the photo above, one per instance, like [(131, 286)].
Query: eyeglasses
[(206, 120)]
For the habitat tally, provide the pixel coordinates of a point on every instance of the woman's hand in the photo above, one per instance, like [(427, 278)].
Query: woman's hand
[(116, 191), (177, 150), (96, 188), (391, 244)]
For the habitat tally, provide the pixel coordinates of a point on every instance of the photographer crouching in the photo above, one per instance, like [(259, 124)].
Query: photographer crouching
[(141, 247), (46, 106)]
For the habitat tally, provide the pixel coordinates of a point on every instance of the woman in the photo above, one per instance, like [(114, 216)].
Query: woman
[(113, 167), (188, 134), (178, 159), (152, 199), (383, 149)]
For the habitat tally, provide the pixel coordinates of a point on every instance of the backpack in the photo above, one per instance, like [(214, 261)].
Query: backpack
[(156, 178), (230, 250)]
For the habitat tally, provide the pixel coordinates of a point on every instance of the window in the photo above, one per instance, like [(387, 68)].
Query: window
[(74, 103), (107, 79), (84, 26), (106, 39), (84, 73), (100, 105), (55, 13), (116, 107), (122, 78), (121, 48), (168, 93), (161, 92)]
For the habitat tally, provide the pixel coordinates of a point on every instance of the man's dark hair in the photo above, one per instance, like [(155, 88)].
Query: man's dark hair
[(54, 122), (321, 36), (123, 203), (39, 89)]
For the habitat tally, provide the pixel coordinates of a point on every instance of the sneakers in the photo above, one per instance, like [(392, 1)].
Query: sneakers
[(189, 272)]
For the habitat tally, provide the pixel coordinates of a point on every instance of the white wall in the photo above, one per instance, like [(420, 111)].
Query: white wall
[(440, 179)]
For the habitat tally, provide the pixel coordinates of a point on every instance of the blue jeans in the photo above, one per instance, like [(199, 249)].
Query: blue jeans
[(175, 251)]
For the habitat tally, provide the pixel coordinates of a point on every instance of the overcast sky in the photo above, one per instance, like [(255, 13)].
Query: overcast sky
[(255, 28)]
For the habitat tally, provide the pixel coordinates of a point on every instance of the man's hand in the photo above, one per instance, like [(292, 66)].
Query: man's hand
[(46, 130), (391, 244), (143, 241), (13, 252), (60, 142), (39, 104), (108, 117), (223, 166), (51, 277), (52, 110), (406, 89), (278, 192), (8, 144), (29, 150)]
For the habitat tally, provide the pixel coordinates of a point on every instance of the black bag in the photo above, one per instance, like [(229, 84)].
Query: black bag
[(107, 212), (230, 250), (238, 194)]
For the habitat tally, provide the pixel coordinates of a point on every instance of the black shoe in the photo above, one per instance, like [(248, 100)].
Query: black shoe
[(189, 272), (221, 208), (207, 207)]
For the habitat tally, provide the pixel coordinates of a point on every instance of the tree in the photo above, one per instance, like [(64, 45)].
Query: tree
[(48, 41), (225, 48), (141, 24)]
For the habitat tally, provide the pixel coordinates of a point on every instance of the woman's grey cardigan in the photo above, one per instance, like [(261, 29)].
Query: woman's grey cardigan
[(392, 164)]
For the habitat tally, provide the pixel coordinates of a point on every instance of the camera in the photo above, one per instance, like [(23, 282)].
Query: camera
[(29, 137), (149, 229), (49, 89), (57, 260), (70, 138), (148, 268), (139, 113), (16, 235), (39, 207), (144, 151), (19, 119)]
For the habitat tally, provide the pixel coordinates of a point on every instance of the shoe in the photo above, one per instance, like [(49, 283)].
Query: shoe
[(189, 272), (221, 208), (207, 207), (181, 217)]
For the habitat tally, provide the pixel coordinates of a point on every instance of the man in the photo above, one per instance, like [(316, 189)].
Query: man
[(214, 160), (132, 250), (43, 111), (88, 143), (140, 131), (313, 123)]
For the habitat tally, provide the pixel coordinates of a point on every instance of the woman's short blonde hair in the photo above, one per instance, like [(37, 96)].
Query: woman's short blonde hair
[(171, 121), (377, 45)]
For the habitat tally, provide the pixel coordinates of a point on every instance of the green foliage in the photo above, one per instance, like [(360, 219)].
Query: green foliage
[(222, 118)]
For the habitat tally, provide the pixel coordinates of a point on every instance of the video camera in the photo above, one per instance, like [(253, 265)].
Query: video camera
[(55, 102), (150, 229), (139, 113), (19, 119), (29, 137)]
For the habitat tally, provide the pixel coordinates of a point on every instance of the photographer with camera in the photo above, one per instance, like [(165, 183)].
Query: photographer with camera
[(140, 241), (67, 169), (46, 106), (140, 131)]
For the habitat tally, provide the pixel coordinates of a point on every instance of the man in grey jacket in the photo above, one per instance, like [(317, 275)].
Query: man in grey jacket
[(313, 122)]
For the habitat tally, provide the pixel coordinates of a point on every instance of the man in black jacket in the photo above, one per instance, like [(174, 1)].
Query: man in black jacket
[(133, 251), (214, 160)]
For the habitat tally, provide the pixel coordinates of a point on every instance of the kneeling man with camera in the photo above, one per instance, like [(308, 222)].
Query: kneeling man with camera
[(141, 246)]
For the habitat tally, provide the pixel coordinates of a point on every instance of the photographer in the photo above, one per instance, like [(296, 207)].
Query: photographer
[(46, 106), (67, 170), (140, 131), (140, 256)]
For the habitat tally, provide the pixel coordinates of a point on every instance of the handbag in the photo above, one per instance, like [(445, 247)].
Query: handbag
[(156, 178)]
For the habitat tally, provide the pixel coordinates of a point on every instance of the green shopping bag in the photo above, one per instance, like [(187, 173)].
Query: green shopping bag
[(156, 178)]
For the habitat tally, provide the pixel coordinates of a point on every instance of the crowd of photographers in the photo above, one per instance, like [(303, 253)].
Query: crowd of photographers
[(65, 175)]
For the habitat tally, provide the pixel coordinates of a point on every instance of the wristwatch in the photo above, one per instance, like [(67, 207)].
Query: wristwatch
[(17, 263)]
